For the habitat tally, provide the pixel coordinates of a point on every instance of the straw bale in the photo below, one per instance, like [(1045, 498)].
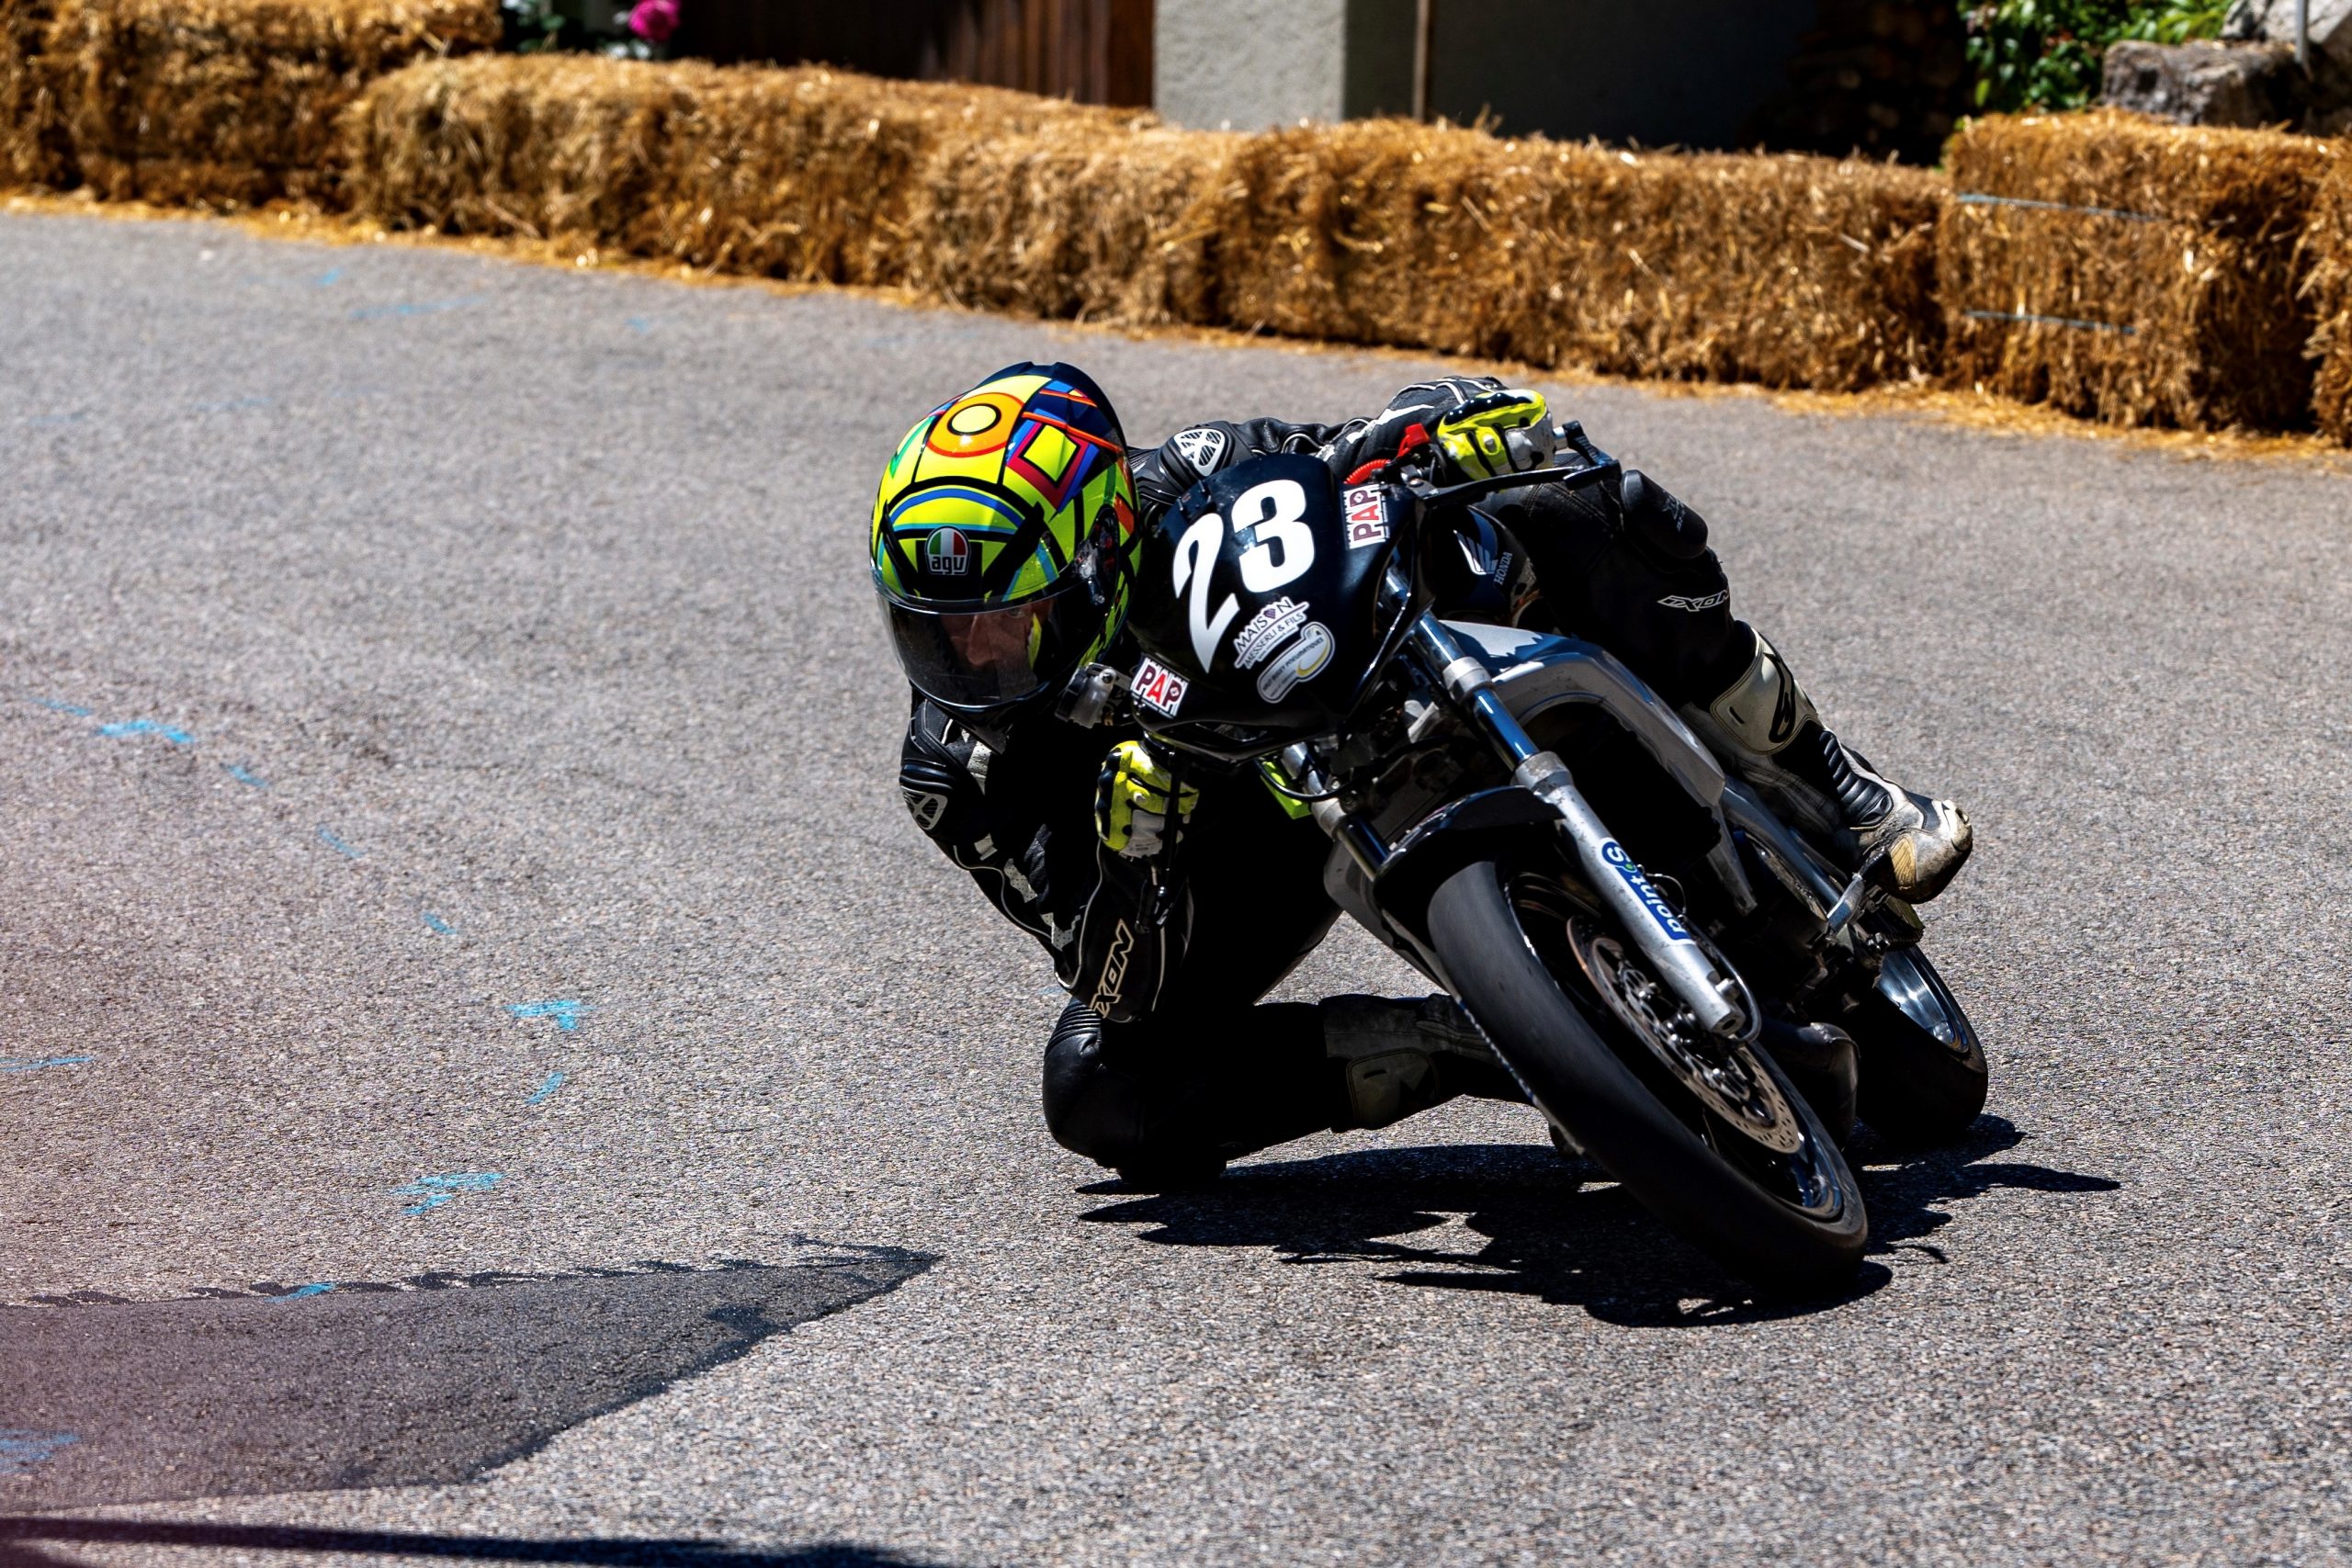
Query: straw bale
[(802, 174), (810, 173), (236, 101), (2157, 264), (2327, 252), (1792, 271), (35, 149), (1071, 221), (545, 146)]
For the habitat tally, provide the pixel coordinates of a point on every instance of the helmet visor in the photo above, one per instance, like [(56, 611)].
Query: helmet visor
[(984, 655)]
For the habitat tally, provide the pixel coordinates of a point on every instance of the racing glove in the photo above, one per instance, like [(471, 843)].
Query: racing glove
[(1497, 433), (1138, 810)]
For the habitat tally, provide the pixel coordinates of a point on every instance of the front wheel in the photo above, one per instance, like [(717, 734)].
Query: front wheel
[(1708, 1135)]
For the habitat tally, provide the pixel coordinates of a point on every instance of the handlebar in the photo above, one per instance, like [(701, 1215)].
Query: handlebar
[(1600, 466)]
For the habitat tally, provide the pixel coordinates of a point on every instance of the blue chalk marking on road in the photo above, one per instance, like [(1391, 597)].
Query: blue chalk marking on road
[(319, 1289), (540, 1094), (34, 1063), (436, 1191), (20, 1451), (639, 324), (328, 836), (328, 278), (53, 705), (436, 924), (566, 1014), (148, 727), (56, 419), (427, 308), (244, 775)]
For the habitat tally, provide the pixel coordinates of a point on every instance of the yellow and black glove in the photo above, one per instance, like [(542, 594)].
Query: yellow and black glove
[(1497, 433), (1132, 800)]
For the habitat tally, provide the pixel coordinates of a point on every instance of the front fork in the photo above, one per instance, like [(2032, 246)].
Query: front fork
[(1719, 1000)]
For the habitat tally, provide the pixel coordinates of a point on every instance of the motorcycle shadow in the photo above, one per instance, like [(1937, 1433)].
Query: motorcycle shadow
[(1587, 1246)]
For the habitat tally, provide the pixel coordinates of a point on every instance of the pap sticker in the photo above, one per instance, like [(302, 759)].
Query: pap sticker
[(1158, 687), (1367, 510)]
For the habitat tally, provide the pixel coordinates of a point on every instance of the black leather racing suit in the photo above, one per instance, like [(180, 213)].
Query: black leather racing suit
[(1166, 1055)]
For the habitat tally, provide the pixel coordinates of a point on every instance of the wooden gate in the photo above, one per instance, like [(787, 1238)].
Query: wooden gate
[(1096, 51)]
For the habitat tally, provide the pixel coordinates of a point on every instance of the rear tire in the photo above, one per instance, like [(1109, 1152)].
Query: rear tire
[(1923, 1072), (1791, 1223)]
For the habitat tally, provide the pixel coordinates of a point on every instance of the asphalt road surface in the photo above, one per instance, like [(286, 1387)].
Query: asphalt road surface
[(452, 885)]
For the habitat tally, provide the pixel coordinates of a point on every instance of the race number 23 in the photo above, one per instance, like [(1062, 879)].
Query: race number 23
[(1282, 547)]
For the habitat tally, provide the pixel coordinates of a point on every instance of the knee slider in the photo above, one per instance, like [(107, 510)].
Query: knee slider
[(1085, 1109), (1095, 1107)]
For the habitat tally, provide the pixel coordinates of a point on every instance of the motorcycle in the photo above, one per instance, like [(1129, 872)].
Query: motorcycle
[(1527, 823)]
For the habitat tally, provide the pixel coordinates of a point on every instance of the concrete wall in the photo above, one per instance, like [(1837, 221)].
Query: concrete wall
[(1249, 63), (1681, 72)]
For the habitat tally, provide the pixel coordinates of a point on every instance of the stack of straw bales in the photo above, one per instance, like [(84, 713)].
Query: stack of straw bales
[(2138, 272), (544, 146), (813, 174), (1068, 221), (35, 149), (803, 174), (1791, 271), (2327, 254), (235, 101)]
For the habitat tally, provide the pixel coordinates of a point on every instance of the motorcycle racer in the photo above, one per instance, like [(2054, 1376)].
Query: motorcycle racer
[(1003, 539)]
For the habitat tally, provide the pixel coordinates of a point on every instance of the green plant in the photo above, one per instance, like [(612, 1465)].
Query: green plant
[(536, 26), (2046, 54)]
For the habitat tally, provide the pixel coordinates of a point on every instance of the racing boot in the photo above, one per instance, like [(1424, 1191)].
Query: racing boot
[(1765, 730), (1398, 1057)]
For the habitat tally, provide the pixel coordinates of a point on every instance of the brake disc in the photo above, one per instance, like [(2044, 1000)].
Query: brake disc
[(1724, 1075)]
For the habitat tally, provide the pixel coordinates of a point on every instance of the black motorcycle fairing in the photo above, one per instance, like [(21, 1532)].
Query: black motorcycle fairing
[(1258, 604), (1489, 824)]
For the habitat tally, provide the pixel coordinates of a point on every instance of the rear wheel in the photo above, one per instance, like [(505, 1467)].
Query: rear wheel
[(1708, 1135), (1923, 1070)]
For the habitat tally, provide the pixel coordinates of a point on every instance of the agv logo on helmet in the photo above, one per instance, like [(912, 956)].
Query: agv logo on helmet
[(948, 554)]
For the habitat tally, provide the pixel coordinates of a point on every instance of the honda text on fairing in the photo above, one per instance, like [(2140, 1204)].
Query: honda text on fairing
[(1531, 826)]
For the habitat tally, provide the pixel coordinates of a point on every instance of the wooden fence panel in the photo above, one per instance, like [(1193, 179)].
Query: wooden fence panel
[(1096, 52)]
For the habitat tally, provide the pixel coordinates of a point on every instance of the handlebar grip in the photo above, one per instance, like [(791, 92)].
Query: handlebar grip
[(1591, 473)]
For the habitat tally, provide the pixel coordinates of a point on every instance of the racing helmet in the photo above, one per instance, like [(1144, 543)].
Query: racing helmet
[(1003, 540)]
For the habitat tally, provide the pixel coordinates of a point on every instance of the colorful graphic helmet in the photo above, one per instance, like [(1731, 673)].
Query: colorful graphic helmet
[(1003, 539)]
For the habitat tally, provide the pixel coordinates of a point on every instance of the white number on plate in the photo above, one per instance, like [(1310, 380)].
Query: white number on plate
[(1282, 547)]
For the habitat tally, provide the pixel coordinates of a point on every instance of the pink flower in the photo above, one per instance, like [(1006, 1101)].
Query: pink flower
[(654, 21)]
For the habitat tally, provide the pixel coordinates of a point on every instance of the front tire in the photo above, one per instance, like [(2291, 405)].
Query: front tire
[(1790, 1219)]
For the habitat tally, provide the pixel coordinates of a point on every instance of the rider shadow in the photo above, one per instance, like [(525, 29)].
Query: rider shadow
[(37, 1541), (1590, 1247)]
